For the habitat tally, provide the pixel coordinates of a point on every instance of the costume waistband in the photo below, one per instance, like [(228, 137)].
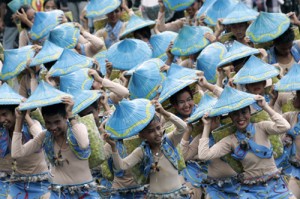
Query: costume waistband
[(130, 189), (260, 179), (221, 181), (30, 178), (72, 189), (181, 192)]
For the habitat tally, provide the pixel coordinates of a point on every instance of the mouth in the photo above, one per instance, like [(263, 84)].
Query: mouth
[(241, 122)]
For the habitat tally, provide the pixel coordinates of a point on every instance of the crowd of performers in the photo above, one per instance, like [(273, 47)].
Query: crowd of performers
[(206, 106)]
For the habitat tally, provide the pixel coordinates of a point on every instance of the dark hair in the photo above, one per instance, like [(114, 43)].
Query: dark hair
[(9, 108), (145, 32), (51, 110), (99, 73), (25, 8), (173, 98), (286, 37), (154, 119), (48, 65), (55, 1)]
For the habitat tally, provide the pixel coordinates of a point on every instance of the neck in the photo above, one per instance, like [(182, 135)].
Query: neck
[(112, 24)]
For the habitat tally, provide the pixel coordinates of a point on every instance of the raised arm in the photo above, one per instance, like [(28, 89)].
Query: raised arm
[(18, 149), (217, 150), (130, 161), (278, 125)]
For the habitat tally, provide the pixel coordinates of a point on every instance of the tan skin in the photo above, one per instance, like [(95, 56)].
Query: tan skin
[(184, 105), (57, 124), (7, 119), (257, 88), (49, 6), (153, 133)]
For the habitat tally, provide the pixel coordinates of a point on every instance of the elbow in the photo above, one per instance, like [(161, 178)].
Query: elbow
[(15, 154)]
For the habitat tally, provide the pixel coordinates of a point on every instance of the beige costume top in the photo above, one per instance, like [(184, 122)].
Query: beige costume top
[(283, 98), (253, 165), (167, 179), (27, 84), (118, 92), (77, 171), (125, 181), (28, 163), (216, 167), (24, 38), (174, 26)]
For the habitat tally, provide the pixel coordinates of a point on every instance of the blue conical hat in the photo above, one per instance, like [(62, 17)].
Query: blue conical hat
[(160, 43), (49, 52), (172, 86), (267, 27), (208, 60), (179, 72), (291, 81), (101, 57), (205, 105), (44, 95), (135, 23), (128, 53), (237, 51), (9, 96), (15, 61), (83, 99), (231, 100), (77, 80), (129, 118), (44, 22), (240, 13), (146, 80), (65, 35), (205, 6), (219, 9), (69, 62), (178, 5), (15, 5), (98, 8), (190, 40), (255, 70)]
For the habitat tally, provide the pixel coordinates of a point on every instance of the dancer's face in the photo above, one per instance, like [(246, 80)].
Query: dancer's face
[(185, 104), (56, 124), (241, 118)]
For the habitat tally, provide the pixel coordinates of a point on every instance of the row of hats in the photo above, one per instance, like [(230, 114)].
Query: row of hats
[(131, 117), (98, 8)]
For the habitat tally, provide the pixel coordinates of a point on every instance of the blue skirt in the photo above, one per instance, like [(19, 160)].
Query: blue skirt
[(273, 189), (226, 191), (128, 195), (32, 190), (4, 188), (195, 173)]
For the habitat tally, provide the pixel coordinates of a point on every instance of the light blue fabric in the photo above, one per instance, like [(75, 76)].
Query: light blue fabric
[(30, 190), (112, 33), (227, 191), (128, 195), (258, 150), (4, 188), (275, 189)]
